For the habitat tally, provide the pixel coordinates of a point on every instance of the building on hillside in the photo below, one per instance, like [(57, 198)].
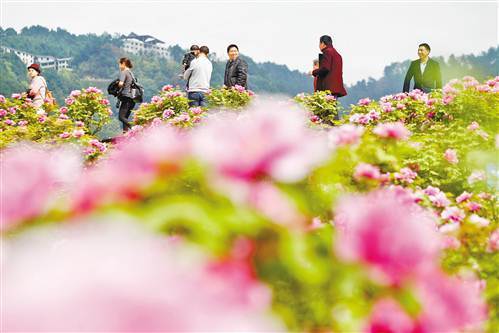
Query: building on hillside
[(46, 62), (144, 44)]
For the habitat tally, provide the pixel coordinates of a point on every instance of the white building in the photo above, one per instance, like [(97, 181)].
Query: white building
[(45, 62), (145, 44)]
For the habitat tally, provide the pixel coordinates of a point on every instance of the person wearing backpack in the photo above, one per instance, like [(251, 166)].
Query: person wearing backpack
[(126, 80), (37, 91)]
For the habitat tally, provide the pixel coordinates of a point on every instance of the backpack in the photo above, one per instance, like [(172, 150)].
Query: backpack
[(137, 91), (49, 97)]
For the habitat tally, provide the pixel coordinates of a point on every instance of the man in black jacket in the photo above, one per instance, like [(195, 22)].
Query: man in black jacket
[(426, 72), (236, 69)]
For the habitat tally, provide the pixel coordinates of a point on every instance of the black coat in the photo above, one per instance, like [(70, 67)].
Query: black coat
[(430, 79), (236, 72)]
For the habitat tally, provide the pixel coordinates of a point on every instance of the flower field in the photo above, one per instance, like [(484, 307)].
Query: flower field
[(253, 214)]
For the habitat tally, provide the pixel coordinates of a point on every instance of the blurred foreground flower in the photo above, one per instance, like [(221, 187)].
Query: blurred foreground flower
[(102, 276)]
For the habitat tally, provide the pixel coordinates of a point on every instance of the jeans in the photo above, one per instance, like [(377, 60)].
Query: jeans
[(197, 98), (126, 106)]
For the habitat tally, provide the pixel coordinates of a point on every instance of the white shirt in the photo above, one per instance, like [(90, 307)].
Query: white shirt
[(199, 74), (422, 66)]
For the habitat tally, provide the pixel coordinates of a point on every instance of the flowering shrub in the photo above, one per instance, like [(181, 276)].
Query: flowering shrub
[(233, 98), (323, 107), (20, 121), (170, 104), (88, 106)]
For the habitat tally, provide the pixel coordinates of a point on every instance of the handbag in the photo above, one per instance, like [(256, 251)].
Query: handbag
[(136, 90)]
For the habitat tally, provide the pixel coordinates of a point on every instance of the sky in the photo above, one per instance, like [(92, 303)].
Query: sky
[(368, 34)]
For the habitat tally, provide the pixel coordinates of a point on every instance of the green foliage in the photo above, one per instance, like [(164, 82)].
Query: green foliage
[(321, 104), (234, 98)]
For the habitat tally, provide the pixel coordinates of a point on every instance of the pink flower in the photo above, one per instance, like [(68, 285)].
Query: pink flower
[(64, 135), (168, 87), (473, 126), (69, 101), (63, 117), (346, 135), (23, 123), (395, 130), (75, 93), (475, 219), (196, 111), (406, 175), (473, 206), (451, 156), (449, 89), (463, 197), (483, 88), (131, 166), (314, 118), (239, 88), (330, 98), (400, 106), (387, 107), (9, 122), (30, 176), (2, 99), (42, 118), (99, 145), (167, 113), (16, 96), (448, 304), (78, 133), (449, 228), (374, 115), (494, 241), (3, 112), (450, 242), (364, 101), (156, 100), (259, 143), (63, 110), (104, 102), (439, 199), (84, 283), (13, 110), (367, 171), (447, 99), (250, 93), (388, 317), (453, 214), (430, 190), (380, 218), (79, 123), (476, 176)]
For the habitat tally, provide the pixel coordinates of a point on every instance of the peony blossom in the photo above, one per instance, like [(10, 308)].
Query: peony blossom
[(84, 283), (476, 176), (473, 126), (475, 219), (65, 135), (388, 316), (364, 101), (439, 199), (453, 214), (494, 241), (448, 304), (473, 206), (451, 156), (31, 176), (168, 87), (345, 135), (406, 175), (168, 113), (395, 130), (465, 196), (373, 221), (260, 142), (366, 171)]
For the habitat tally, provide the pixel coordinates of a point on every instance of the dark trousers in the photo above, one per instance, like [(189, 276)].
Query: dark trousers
[(126, 106), (197, 98)]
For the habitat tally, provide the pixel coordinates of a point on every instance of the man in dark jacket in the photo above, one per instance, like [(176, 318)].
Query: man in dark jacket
[(330, 72), (426, 72), (236, 69)]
